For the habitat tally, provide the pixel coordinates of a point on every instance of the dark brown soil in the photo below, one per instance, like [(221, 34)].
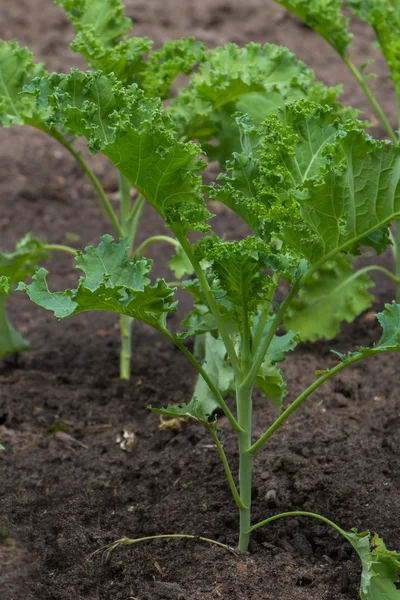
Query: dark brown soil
[(60, 502)]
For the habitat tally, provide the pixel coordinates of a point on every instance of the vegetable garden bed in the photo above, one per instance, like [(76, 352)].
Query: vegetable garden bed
[(64, 497)]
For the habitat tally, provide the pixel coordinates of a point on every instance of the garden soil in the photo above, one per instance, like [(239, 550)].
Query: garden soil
[(65, 494)]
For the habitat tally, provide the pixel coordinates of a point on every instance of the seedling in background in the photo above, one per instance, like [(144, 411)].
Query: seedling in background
[(296, 230)]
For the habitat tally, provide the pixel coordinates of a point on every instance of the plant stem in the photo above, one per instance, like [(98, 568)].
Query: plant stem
[(156, 238), (135, 214), (244, 404), (300, 399), (179, 344), (96, 183), (125, 322), (298, 513), (264, 316), (252, 374), (60, 248), (230, 349), (373, 101), (125, 326), (228, 471)]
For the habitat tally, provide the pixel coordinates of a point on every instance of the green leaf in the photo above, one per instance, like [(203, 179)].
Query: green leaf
[(389, 319), (15, 266), (380, 566), (384, 18), (180, 264), (220, 372), (238, 267), (4, 284), (17, 69), (333, 294), (255, 79), (104, 17), (2, 447), (101, 27), (193, 409), (136, 135), (113, 283), (325, 17)]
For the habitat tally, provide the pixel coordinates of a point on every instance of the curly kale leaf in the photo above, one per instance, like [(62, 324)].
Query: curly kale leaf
[(113, 283), (325, 17), (17, 69), (136, 135), (380, 566), (102, 39)]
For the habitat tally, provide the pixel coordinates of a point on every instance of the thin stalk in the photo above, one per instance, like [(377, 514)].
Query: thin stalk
[(206, 378), (246, 333), (298, 513), (373, 101), (228, 471), (60, 248), (157, 238), (96, 183), (244, 404), (125, 322), (252, 374), (300, 399), (135, 215), (264, 316), (212, 303)]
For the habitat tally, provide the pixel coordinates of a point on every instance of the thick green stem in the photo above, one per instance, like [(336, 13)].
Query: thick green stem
[(96, 183), (134, 215), (125, 325), (244, 404), (125, 322), (371, 98), (157, 238)]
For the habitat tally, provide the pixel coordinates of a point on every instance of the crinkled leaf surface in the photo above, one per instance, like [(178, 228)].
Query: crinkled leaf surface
[(17, 69), (380, 566), (333, 294), (325, 17), (101, 38), (113, 283), (136, 135), (256, 80), (324, 187)]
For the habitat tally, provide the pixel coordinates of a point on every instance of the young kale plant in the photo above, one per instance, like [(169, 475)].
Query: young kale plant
[(346, 195), (102, 39), (327, 19)]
